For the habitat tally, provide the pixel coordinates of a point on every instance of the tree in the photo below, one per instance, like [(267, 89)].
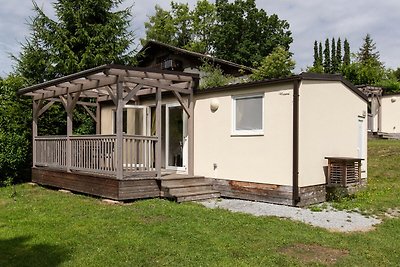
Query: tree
[(316, 54), (367, 53), (320, 54), (364, 73), (182, 27), (346, 56), (84, 34), (237, 31), (161, 27), (15, 133), (318, 59), (213, 76), (334, 63), (339, 59), (327, 57), (278, 64), (203, 17), (245, 34)]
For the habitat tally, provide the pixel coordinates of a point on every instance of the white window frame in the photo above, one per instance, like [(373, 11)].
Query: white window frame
[(247, 132)]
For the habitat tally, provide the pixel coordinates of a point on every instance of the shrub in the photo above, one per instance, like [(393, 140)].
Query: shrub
[(15, 131)]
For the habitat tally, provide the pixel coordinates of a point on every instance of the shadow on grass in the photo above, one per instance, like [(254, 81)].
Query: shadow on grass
[(20, 252)]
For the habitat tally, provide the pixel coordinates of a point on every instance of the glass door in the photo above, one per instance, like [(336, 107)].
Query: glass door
[(176, 137)]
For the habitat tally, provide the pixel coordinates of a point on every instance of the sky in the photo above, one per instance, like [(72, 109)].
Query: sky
[(309, 20)]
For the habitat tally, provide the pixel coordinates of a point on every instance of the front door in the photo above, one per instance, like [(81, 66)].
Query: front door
[(175, 137)]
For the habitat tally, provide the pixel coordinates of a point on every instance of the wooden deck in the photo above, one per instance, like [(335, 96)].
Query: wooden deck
[(176, 187), (98, 185)]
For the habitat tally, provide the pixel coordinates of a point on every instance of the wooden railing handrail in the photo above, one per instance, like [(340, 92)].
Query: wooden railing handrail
[(141, 137), (96, 136)]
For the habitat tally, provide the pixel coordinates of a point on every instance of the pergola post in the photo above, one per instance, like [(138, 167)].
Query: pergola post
[(34, 130), (98, 117), (69, 107), (119, 125), (158, 132), (191, 134)]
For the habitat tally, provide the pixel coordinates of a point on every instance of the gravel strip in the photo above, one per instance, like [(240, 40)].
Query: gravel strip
[(338, 221)]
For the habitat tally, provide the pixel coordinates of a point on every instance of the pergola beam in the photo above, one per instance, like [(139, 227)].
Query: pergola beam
[(78, 87)]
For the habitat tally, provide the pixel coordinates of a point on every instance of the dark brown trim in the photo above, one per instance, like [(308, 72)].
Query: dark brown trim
[(302, 76), (246, 85), (295, 166)]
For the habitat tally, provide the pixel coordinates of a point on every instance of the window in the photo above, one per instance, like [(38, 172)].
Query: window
[(248, 115)]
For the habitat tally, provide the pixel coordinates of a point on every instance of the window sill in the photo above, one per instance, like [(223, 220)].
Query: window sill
[(244, 133)]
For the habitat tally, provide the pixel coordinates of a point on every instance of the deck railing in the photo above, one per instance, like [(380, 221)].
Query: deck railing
[(51, 151), (97, 153), (93, 153)]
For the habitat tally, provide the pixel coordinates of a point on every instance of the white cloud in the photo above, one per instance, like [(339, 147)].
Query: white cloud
[(309, 20)]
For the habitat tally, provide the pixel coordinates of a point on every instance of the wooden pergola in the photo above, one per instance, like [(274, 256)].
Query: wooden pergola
[(108, 154)]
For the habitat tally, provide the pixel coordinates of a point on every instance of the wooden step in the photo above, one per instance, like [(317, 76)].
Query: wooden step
[(187, 188), (183, 181), (193, 188), (200, 195)]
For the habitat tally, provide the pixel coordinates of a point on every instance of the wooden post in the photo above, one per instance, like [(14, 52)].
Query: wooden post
[(191, 135), (158, 132), (329, 173), (35, 111), (98, 117), (344, 174), (119, 125), (69, 131)]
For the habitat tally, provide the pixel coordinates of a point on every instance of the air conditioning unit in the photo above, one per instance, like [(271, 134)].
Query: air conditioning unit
[(171, 64)]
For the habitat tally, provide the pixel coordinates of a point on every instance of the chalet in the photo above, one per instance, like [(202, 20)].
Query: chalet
[(160, 56), (384, 110), (281, 141)]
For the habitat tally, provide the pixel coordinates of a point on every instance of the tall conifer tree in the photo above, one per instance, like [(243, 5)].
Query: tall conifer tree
[(316, 54), (346, 55), (320, 54), (334, 64), (327, 57), (339, 53)]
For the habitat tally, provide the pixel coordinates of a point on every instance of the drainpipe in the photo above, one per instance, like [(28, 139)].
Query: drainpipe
[(295, 166)]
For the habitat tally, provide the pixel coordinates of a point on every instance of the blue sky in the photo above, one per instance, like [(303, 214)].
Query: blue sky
[(309, 20)]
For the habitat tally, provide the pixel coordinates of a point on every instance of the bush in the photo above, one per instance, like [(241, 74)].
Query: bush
[(213, 76), (15, 132)]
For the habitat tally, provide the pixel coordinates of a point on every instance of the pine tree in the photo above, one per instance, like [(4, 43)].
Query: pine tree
[(346, 56), (316, 55), (320, 54), (367, 52), (83, 34), (327, 57), (339, 53), (334, 64)]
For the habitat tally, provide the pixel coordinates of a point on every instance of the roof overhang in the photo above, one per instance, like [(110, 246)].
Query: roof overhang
[(290, 79)]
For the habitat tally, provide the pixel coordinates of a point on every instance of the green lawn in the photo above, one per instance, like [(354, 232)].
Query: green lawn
[(43, 227)]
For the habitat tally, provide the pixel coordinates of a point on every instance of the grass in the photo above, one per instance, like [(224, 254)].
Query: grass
[(42, 227)]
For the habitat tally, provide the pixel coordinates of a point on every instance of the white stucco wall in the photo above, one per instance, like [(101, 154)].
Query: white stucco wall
[(263, 159), (329, 115), (106, 121), (390, 114)]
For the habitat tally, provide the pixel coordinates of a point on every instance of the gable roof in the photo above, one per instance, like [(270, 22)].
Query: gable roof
[(301, 76), (152, 44)]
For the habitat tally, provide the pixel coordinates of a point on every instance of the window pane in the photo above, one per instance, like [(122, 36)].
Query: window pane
[(249, 113)]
